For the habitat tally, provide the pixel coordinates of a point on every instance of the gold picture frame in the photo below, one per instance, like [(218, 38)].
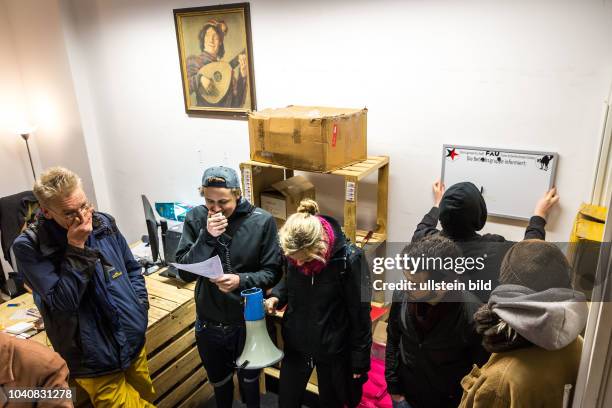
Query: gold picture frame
[(216, 59)]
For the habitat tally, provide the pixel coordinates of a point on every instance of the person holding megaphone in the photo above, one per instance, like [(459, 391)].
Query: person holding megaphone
[(245, 239), (327, 322)]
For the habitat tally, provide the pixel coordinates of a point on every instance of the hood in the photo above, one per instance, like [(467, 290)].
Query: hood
[(340, 240), (551, 319), (462, 210)]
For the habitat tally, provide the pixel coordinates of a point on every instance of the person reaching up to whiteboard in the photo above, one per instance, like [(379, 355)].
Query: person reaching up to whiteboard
[(462, 212)]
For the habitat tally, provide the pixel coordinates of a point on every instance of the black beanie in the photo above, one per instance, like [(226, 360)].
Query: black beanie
[(536, 264), (462, 210)]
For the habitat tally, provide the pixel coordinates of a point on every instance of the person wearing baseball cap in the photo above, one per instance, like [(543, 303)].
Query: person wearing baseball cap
[(245, 238)]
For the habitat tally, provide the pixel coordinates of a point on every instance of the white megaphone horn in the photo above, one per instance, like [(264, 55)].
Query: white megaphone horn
[(258, 351)]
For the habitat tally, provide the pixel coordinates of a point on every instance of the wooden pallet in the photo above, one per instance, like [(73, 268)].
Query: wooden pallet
[(256, 176)]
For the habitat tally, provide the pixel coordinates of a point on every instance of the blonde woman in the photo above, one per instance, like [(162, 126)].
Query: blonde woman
[(327, 321)]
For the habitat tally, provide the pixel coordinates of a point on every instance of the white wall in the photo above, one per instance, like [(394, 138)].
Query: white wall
[(15, 173), (509, 74), (35, 31)]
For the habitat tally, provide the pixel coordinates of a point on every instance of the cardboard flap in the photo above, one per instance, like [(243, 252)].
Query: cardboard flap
[(594, 212), (293, 187), (304, 112)]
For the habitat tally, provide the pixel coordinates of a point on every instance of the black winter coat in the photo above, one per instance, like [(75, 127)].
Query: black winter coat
[(463, 212), (325, 314), (427, 368), (254, 255)]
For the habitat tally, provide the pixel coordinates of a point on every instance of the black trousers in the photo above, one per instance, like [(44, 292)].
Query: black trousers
[(219, 348), (337, 388)]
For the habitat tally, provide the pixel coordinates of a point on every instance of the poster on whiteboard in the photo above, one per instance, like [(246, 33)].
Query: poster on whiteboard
[(511, 181)]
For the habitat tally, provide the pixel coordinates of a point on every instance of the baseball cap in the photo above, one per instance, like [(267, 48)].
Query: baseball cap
[(222, 172)]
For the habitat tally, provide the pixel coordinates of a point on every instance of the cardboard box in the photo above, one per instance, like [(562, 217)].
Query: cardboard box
[(282, 199), (309, 138), (585, 244)]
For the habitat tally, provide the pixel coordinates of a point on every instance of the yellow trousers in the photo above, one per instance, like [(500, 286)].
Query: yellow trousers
[(131, 388)]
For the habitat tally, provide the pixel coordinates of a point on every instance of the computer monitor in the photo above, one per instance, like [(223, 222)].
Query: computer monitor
[(156, 250)]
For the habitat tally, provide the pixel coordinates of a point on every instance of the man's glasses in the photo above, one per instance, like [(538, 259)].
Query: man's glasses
[(71, 215)]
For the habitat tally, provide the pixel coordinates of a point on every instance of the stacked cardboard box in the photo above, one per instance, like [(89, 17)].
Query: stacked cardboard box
[(308, 138)]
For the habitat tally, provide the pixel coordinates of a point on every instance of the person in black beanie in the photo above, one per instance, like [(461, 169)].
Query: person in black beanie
[(532, 325), (462, 212)]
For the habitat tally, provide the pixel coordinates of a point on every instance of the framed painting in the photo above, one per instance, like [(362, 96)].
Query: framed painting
[(216, 59)]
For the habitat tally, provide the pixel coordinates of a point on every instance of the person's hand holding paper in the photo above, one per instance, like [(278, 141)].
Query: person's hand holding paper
[(210, 268)]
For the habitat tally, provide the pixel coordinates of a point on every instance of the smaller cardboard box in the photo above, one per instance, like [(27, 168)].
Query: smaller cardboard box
[(282, 199), (310, 138)]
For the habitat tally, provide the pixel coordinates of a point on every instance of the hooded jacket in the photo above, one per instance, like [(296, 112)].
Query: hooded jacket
[(254, 255), (93, 300), (462, 213), (325, 314), (426, 367), (535, 375), (28, 364)]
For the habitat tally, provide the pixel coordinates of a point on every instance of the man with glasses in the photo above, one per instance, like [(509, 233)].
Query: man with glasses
[(90, 292)]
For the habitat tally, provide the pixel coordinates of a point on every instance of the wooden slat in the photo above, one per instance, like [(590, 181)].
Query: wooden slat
[(165, 355), (201, 395), (183, 390), (347, 173), (172, 281), (156, 314), (382, 199), (174, 323), (162, 303), (165, 291), (350, 209), (177, 371)]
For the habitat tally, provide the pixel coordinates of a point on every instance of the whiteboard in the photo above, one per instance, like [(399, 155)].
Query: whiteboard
[(511, 181)]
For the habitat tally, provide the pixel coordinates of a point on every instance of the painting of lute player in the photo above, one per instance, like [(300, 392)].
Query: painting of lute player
[(215, 80)]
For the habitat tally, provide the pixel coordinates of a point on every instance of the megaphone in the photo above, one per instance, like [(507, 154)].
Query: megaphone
[(258, 351)]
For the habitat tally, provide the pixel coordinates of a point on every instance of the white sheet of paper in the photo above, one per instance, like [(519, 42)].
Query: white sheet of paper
[(211, 268)]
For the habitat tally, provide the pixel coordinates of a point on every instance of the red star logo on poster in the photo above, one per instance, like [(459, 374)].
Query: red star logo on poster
[(451, 153)]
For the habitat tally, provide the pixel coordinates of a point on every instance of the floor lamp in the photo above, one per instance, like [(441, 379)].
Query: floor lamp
[(25, 137)]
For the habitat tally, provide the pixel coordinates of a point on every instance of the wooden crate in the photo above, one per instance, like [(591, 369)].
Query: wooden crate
[(257, 176)]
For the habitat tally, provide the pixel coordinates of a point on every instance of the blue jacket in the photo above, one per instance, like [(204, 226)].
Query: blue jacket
[(93, 300)]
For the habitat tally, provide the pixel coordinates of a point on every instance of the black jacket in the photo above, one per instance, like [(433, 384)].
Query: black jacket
[(462, 212), (325, 314), (253, 252), (13, 213), (427, 368)]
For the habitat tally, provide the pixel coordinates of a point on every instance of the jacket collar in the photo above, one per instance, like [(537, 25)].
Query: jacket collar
[(6, 356), (340, 241), (243, 207), (52, 237)]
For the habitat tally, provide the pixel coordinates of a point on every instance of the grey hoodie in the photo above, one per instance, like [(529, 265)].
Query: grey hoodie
[(550, 319)]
